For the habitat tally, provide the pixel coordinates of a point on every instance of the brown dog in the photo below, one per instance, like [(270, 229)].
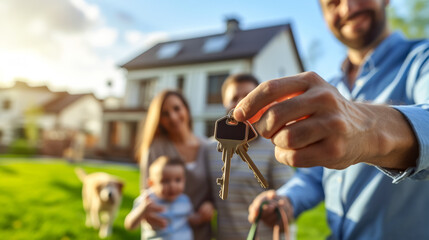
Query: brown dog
[(102, 196)]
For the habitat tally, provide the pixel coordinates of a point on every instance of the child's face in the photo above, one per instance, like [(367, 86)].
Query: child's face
[(170, 184)]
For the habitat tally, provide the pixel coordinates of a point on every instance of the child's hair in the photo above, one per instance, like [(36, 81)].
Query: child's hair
[(161, 162)]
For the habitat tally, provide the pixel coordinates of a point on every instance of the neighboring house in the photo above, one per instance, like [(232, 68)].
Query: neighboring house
[(73, 111), (198, 67), (15, 102), (55, 116)]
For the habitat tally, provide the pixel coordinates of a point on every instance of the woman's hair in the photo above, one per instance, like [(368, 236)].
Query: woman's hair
[(152, 126)]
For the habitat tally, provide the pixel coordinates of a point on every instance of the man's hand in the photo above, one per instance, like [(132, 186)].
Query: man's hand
[(203, 215), (206, 211), (269, 215), (321, 128)]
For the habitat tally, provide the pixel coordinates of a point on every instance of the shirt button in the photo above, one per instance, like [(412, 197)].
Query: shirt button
[(339, 179), (359, 83)]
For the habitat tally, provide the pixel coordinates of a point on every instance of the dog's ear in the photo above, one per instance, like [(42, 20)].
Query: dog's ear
[(119, 185), (98, 187)]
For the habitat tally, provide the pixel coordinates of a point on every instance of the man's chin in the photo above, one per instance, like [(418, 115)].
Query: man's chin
[(354, 43)]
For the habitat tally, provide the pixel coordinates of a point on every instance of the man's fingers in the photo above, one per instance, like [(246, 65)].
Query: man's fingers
[(267, 211), (283, 113), (300, 134), (268, 92), (255, 206), (327, 152)]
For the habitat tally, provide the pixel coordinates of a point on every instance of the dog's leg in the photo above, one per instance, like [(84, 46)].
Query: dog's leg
[(88, 221), (95, 218), (86, 201), (107, 220), (106, 224)]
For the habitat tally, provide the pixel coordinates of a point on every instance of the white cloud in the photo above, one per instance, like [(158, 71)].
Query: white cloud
[(92, 12), (66, 43), (144, 40), (103, 37)]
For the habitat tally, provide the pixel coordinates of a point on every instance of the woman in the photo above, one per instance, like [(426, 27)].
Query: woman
[(168, 131)]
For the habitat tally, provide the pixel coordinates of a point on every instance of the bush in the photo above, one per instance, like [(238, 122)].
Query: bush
[(22, 147)]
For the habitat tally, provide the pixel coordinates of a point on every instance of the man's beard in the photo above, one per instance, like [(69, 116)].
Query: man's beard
[(366, 38)]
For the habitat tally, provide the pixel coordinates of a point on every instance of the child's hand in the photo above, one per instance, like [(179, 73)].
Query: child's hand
[(206, 211), (148, 210)]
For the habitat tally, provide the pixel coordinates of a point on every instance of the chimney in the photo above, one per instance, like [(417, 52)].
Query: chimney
[(232, 25)]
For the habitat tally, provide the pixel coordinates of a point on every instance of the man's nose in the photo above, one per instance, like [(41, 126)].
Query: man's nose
[(348, 7)]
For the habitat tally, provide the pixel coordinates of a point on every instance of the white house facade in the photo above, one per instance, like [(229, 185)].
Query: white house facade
[(198, 67)]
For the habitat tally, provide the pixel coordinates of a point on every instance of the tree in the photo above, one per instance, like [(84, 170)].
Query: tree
[(411, 17)]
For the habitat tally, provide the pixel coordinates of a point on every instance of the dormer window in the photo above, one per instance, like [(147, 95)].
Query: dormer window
[(169, 50), (215, 44)]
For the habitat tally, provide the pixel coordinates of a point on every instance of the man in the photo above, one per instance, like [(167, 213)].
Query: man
[(243, 186), (368, 143)]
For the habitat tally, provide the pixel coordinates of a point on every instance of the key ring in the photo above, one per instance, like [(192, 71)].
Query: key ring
[(230, 117)]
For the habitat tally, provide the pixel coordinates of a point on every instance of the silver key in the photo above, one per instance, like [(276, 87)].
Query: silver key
[(242, 152), (230, 134)]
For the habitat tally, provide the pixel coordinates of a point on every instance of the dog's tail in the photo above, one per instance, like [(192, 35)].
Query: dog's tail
[(81, 174)]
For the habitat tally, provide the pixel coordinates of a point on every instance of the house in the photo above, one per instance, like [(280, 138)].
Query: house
[(47, 118), (198, 66)]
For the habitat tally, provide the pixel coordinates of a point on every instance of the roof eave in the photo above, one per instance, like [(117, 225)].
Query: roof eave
[(187, 62)]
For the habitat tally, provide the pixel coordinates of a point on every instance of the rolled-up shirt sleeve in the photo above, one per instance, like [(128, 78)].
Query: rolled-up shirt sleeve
[(418, 117), (304, 190), (417, 88)]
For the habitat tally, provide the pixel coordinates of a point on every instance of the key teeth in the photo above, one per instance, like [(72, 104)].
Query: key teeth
[(259, 181)]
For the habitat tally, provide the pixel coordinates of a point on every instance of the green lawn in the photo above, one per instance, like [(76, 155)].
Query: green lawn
[(41, 199)]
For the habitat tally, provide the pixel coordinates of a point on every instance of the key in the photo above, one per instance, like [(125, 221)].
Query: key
[(242, 152), (230, 134), (251, 136)]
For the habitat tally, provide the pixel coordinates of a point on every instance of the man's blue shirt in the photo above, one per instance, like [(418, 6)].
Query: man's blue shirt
[(361, 201)]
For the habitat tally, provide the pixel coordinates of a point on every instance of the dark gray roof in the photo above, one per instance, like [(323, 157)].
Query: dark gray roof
[(242, 44)]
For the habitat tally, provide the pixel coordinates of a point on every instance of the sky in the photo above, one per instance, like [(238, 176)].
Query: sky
[(79, 45)]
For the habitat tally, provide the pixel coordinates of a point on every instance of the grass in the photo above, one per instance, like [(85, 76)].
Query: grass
[(41, 199)]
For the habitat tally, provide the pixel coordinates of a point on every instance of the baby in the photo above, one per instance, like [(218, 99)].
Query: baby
[(166, 185)]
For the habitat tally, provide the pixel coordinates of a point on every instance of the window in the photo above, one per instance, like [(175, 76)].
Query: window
[(146, 92), (215, 44), (215, 81), (169, 50), (180, 82), (7, 104)]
